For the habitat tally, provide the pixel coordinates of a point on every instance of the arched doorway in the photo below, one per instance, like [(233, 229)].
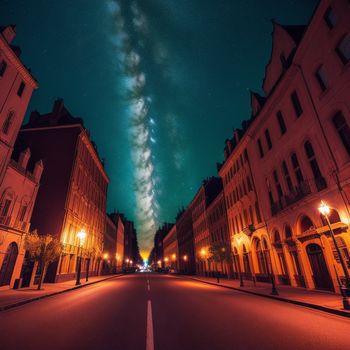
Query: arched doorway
[(320, 272), (8, 264)]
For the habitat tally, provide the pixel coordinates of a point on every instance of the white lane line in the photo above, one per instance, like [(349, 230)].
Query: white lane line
[(148, 287), (149, 337)]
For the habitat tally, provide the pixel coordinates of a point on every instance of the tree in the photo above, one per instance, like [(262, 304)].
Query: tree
[(44, 249), (219, 253)]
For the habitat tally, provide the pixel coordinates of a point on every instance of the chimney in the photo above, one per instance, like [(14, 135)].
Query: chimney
[(58, 106), (9, 32), (24, 158), (38, 169)]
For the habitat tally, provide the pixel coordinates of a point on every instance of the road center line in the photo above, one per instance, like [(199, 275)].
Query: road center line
[(149, 336), (148, 287)]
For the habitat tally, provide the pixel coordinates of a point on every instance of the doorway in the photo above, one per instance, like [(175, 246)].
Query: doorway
[(321, 276)]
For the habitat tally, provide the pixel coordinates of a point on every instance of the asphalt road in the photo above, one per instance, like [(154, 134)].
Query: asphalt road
[(150, 311)]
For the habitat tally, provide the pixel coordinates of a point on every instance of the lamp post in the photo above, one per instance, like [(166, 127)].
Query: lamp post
[(203, 254), (325, 210), (105, 258), (81, 236)]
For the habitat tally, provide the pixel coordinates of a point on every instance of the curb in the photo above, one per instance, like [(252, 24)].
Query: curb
[(27, 301), (285, 300)]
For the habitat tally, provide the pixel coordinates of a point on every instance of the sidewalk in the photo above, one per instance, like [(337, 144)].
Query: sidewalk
[(324, 301), (10, 298)]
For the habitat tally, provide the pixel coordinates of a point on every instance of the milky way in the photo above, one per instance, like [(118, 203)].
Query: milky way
[(141, 124)]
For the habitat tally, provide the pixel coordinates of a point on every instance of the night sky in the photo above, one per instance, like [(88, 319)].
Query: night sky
[(159, 83)]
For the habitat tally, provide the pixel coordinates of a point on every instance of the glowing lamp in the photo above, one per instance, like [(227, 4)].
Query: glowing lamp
[(324, 209)]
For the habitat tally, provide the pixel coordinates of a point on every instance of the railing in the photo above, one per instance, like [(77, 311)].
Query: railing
[(17, 225), (5, 220), (21, 170), (301, 191)]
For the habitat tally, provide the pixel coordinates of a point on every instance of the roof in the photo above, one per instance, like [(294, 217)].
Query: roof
[(295, 31)]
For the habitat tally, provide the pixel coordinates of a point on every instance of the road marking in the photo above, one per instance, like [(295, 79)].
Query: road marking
[(149, 337), (148, 287)]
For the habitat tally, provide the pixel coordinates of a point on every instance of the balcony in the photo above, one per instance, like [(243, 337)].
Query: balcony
[(301, 191), (14, 224)]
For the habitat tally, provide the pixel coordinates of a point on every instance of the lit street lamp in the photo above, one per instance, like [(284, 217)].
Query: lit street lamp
[(325, 210), (81, 236)]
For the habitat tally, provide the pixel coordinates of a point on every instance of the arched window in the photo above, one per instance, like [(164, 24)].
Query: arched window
[(277, 237), (305, 224), (343, 130), (319, 180), (8, 122), (288, 232), (333, 217)]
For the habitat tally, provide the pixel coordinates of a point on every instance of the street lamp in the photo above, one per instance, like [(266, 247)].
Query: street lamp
[(325, 210), (81, 236)]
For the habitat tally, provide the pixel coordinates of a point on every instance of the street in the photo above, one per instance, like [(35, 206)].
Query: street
[(167, 312)]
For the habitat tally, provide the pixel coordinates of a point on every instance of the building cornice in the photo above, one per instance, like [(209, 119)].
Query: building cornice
[(14, 60)]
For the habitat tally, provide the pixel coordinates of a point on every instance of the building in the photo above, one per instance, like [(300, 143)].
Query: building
[(129, 233), (296, 150), (117, 219), (73, 191), (171, 250), (19, 174), (242, 202), (109, 247), (158, 244), (184, 232), (201, 236), (219, 234)]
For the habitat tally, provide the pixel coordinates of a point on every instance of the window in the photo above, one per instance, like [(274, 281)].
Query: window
[(22, 212), (287, 176), (3, 66), (281, 122), (330, 18), (343, 130), (21, 89), (7, 123), (343, 49), (277, 184), (320, 181), (297, 170), (261, 150), (296, 104), (322, 78), (250, 188), (268, 139), (5, 207), (257, 211)]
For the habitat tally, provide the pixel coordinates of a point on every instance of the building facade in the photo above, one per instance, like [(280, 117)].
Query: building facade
[(219, 234), (171, 250), (20, 173), (73, 194), (109, 247), (184, 232), (117, 219), (297, 147)]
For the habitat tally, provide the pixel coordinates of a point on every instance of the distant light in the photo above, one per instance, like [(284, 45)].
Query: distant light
[(152, 121), (185, 257), (105, 256), (153, 140)]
